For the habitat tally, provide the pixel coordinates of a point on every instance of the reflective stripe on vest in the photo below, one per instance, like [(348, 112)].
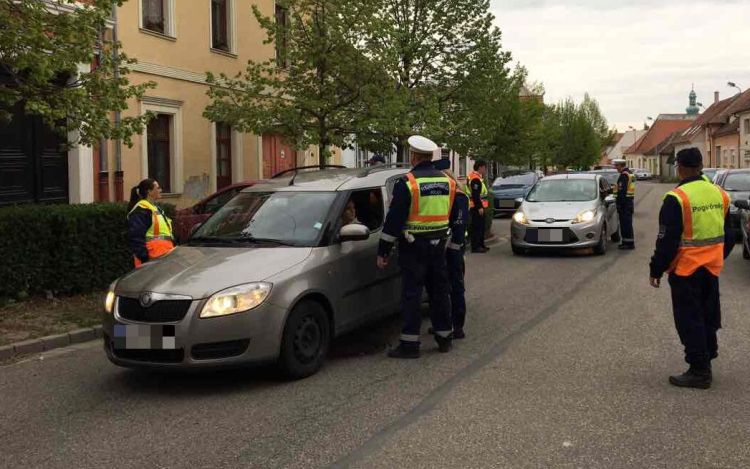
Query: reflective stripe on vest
[(484, 195), (161, 226), (429, 211), (704, 208)]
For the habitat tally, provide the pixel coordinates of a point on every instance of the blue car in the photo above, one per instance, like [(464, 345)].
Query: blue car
[(510, 186)]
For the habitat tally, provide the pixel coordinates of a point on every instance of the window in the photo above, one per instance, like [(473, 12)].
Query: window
[(159, 151), (445, 154), (223, 155), (157, 16), (462, 167), (747, 126), (282, 18), (221, 25), (213, 205), (368, 208), (718, 157)]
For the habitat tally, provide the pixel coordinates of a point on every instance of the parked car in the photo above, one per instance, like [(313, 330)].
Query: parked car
[(272, 276), (188, 218), (510, 186), (737, 184), (566, 211), (718, 175), (743, 205), (642, 174), (710, 172)]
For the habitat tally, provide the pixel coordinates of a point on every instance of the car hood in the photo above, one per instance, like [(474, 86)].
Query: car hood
[(556, 210), (199, 272), (513, 191)]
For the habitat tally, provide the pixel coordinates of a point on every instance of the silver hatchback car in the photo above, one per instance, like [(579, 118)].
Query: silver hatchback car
[(271, 277), (570, 211)]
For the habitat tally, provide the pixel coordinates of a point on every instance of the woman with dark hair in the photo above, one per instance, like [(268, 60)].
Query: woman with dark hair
[(150, 231)]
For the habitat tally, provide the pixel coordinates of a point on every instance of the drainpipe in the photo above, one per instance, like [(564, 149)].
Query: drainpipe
[(119, 193)]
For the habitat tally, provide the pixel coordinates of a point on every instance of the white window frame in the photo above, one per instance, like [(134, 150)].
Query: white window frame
[(173, 109), (231, 24), (170, 29), (238, 168)]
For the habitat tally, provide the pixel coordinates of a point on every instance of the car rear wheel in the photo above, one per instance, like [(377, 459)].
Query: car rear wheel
[(307, 336), (616, 238), (601, 248)]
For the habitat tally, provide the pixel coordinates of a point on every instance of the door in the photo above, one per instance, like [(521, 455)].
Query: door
[(33, 167), (611, 211), (223, 156), (277, 155)]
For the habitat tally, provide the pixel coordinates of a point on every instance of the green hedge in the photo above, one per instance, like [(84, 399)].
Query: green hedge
[(63, 248)]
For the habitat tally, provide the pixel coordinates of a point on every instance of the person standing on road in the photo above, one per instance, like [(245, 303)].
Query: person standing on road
[(456, 252), (695, 237), (149, 229), (624, 192), (420, 219), (479, 203)]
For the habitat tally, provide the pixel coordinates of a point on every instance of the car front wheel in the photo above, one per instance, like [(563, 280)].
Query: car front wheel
[(307, 337), (601, 248)]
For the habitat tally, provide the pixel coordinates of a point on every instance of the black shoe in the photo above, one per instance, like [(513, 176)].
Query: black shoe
[(444, 345), (693, 378), (626, 247), (458, 334), (404, 352), (479, 251)]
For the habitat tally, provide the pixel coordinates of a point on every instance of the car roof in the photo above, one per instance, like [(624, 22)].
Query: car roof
[(555, 177), (329, 180)]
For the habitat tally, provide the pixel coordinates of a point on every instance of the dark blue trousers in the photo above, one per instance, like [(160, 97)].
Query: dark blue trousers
[(456, 272), (423, 265), (626, 223), (697, 315)]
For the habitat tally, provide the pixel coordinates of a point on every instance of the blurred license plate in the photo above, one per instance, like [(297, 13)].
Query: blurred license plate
[(507, 203), (550, 236), (145, 337)]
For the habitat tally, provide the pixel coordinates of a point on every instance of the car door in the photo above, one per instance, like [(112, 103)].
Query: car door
[(611, 211)]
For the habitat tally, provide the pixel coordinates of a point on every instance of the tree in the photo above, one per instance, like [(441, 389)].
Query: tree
[(314, 92), (41, 44), (425, 48)]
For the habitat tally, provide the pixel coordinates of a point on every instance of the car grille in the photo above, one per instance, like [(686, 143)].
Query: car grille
[(161, 311), (150, 356), (218, 350), (568, 237)]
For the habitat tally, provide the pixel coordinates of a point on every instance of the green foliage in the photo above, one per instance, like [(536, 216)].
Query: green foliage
[(41, 44), (63, 248), (316, 95)]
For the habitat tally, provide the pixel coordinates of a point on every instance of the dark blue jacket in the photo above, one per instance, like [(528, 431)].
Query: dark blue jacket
[(622, 189), (670, 234), (139, 221), (459, 218), (401, 206)]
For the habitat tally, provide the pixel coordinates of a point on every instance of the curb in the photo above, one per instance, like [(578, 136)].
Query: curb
[(51, 342)]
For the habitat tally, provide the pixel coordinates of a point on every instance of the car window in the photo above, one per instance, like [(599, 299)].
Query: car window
[(297, 218), (367, 208), (515, 181), (603, 186), (737, 182), (213, 205), (563, 190)]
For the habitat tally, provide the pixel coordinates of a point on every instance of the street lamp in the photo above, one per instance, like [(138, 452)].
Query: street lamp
[(701, 105), (734, 85)]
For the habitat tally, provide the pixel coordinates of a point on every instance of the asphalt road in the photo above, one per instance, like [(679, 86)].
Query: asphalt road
[(565, 366)]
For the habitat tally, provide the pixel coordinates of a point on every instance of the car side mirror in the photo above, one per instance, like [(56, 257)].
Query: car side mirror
[(194, 229), (609, 200), (743, 204), (354, 232), (519, 200)]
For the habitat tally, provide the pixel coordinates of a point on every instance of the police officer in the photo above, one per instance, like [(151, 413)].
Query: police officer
[(419, 219), (695, 237), (624, 192), (479, 202), (456, 252)]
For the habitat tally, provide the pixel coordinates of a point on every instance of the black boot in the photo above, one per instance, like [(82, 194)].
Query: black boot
[(694, 377), (458, 333), (626, 247), (444, 345), (404, 351)]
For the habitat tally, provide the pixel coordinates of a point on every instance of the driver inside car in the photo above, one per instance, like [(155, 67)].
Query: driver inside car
[(349, 217)]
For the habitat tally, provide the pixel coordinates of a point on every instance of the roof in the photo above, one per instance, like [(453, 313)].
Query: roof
[(667, 146), (741, 102), (330, 179), (663, 128), (729, 129)]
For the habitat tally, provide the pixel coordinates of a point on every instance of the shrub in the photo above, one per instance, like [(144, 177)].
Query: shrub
[(63, 248)]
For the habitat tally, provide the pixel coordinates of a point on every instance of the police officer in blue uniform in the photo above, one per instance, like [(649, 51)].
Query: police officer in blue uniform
[(625, 197), (419, 220)]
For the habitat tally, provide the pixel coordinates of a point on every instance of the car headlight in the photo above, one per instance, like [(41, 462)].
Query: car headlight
[(585, 217), (520, 217), (109, 300), (235, 300)]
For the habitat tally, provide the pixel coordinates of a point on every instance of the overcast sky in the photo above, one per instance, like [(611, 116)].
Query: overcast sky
[(638, 58)]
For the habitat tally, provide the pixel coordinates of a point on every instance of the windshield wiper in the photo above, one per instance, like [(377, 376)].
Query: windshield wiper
[(250, 239)]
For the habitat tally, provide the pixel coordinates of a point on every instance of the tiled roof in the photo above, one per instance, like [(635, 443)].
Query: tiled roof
[(740, 103), (729, 129), (662, 129), (632, 147)]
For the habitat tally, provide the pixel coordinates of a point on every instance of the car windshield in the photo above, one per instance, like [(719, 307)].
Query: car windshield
[(563, 190), (737, 182), (514, 181), (285, 218)]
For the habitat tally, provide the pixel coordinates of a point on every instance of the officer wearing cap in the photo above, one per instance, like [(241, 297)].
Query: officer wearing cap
[(377, 160), (695, 237), (479, 203), (419, 220), (624, 192)]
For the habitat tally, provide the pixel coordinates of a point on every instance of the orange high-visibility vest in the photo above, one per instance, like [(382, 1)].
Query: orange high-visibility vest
[(485, 194)]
